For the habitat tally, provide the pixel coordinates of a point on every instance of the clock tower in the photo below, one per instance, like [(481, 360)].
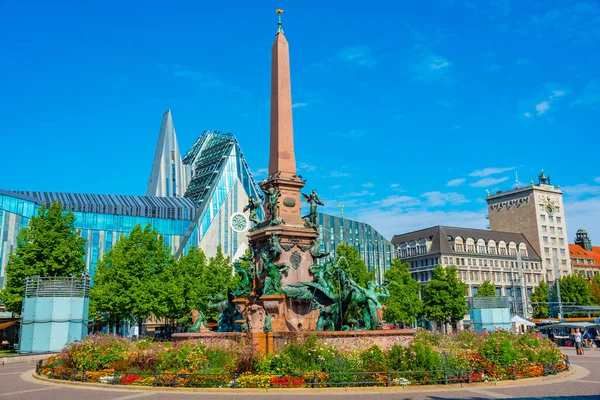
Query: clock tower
[(537, 211)]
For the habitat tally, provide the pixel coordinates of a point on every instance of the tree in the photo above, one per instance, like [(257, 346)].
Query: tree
[(575, 289), (444, 296), (218, 278), (486, 289), (595, 289), (126, 283), (183, 285), (539, 301), (348, 259), (404, 304), (48, 246)]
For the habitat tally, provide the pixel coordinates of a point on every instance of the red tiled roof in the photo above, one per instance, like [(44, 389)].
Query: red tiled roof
[(576, 251)]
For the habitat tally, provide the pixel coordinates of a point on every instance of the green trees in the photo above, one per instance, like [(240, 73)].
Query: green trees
[(353, 264), (486, 289), (139, 278), (595, 289), (126, 283), (49, 245), (444, 296), (539, 301), (404, 304), (182, 285), (575, 289)]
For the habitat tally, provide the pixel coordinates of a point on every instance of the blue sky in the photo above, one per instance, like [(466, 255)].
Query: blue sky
[(405, 113)]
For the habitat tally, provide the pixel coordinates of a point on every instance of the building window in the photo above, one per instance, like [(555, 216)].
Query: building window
[(551, 229), (563, 262), (450, 260), (543, 217), (561, 241), (485, 263), (446, 260), (545, 239), (559, 230), (544, 228), (558, 219), (495, 263), (553, 240), (468, 261), (550, 218)]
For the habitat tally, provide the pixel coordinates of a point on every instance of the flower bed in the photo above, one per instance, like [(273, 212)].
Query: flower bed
[(429, 359)]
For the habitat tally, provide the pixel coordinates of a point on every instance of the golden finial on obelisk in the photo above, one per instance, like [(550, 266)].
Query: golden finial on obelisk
[(279, 11)]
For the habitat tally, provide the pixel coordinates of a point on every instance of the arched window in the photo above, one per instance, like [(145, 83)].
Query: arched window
[(523, 249), (502, 248), (412, 248), (470, 245), (403, 250), (459, 245), (422, 246), (492, 247), (481, 246), (512, 248)]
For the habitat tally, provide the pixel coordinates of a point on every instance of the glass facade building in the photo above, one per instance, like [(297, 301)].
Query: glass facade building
[(374, 249)]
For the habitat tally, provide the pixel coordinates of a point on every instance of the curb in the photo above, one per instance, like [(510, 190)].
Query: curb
[(561, 377)]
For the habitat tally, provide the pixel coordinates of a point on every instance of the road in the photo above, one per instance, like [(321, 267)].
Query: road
[(16, 383)]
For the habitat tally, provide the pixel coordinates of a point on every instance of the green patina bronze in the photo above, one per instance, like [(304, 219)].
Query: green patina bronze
[(227, 313), (245, 286), (200, 322), (273, 196), (311, 221), (252, 206), (272, 273)]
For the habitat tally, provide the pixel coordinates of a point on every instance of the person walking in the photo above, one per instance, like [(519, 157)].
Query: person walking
[(578, 342)]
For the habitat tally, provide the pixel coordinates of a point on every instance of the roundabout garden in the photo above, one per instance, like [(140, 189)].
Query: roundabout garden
[(430, 358)]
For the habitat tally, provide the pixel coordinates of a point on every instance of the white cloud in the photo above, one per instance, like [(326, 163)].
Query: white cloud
[(368, 185), (583, 214), (486, 182), (335, 187), (338, 174), (456, 182), (306, 167), (261, 172), (394, 185), (358, 194), (394, 222), (299, 105), (581, 189), (542, 107), (398, 200), (431, 68), (435, 199), (490, 171), (359, 55)]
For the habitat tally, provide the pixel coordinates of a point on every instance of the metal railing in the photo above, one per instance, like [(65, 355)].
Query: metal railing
[(55, 286), (443, 376)]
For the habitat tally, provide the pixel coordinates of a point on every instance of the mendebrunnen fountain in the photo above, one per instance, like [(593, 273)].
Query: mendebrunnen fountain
[(286, 293)]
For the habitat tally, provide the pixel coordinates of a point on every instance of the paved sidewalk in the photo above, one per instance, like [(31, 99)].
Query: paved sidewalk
[(16, 382)]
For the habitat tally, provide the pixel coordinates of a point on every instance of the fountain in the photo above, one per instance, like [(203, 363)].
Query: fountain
[(286, 292)]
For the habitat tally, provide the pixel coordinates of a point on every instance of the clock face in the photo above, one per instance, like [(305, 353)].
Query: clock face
[(239, 222), (549, 208)]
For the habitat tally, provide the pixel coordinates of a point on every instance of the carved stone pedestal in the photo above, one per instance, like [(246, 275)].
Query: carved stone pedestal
[(256, 316), (274, 305), (300, 315)]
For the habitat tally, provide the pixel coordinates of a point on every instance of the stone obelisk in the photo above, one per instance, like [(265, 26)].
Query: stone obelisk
[(283, 239)]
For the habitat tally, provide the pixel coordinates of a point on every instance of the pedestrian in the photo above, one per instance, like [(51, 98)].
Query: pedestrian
[(578, 342), (587, 338)]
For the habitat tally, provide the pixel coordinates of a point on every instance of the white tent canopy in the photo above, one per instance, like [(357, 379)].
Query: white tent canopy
[(520, 321)]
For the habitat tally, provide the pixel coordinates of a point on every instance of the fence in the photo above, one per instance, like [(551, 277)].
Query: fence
[(443, 376)]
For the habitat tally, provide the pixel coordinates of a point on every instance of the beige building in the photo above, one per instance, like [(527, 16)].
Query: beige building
[(537, 211), (478, 254)]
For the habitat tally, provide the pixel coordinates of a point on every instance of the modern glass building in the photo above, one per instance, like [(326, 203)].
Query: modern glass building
[(217, 182), (374, 249), (100, 218)]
